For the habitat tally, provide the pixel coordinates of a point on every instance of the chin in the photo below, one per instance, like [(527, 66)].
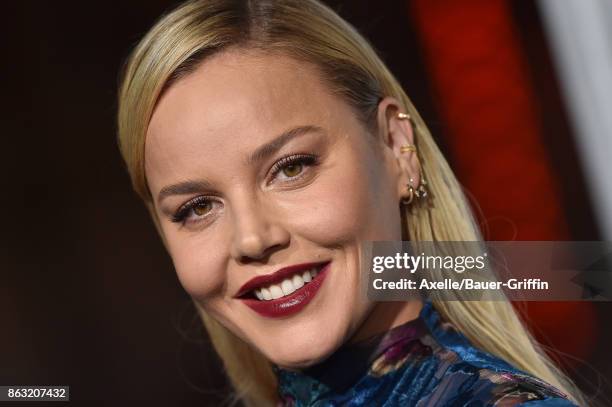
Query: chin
[(316, 336)]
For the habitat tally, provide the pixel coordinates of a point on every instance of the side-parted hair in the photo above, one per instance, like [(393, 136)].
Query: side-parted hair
[(311, 32)]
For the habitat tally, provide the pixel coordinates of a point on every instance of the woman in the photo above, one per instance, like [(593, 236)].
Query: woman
[(269, 142)]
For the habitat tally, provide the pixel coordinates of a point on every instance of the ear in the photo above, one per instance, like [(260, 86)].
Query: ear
[(397, 132)]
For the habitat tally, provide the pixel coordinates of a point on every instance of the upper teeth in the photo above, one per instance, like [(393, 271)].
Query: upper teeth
[(287, 286)]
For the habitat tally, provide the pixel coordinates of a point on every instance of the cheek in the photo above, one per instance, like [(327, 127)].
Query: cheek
[(356, 203), (331, 217), (199, 265)]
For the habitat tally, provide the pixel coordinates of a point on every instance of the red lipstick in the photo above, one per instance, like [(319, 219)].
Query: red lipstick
[(290, 304)]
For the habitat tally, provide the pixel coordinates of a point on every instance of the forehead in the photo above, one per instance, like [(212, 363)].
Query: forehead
[(234, 101)]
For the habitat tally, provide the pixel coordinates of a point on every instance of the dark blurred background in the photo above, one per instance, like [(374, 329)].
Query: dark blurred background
[(89, 298)]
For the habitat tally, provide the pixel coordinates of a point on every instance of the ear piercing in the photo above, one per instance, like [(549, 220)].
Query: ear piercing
[(409, 147), (411, 193), (403, 116), (421, 191)]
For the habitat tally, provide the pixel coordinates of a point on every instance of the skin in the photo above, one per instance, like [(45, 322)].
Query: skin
[(205, 128)]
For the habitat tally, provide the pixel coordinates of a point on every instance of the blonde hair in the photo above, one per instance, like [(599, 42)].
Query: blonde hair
[(309, 31)]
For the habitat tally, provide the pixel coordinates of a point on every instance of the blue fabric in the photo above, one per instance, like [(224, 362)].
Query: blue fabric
[(424, 362)]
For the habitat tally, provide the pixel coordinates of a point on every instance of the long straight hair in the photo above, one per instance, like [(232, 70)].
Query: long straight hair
[(311, 32)]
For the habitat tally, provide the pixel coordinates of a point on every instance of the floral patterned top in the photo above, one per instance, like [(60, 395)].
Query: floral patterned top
[(424, 362)]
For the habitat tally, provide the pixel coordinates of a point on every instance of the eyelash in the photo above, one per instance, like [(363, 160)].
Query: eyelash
[(306, 160)]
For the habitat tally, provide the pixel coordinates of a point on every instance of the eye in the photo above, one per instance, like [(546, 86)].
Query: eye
[(202, 208), (293, 167), (292, 170), (194, 210)]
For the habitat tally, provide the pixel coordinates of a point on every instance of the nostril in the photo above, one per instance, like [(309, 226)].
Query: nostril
[(261, 257), (256, 239)]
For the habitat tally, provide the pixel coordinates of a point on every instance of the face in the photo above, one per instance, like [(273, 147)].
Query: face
[(266, 185)]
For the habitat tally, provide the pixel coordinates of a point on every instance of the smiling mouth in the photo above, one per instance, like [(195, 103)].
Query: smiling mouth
[(287, 282), (286, 292), (287, 286)]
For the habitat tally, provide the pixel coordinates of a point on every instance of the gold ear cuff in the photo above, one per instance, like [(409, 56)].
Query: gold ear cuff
[(408, 148), (403, 116)]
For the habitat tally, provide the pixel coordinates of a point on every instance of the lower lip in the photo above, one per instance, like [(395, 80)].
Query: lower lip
[(292, 303)]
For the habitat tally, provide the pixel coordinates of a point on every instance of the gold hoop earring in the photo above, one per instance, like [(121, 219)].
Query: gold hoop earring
[(411, 193), (408, 201)]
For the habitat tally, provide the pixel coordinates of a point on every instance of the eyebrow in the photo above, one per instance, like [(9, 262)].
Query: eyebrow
[(261, 153), (183, 188), (273, 146)]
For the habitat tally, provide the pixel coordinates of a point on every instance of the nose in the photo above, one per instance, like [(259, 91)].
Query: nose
[(258, 232)]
